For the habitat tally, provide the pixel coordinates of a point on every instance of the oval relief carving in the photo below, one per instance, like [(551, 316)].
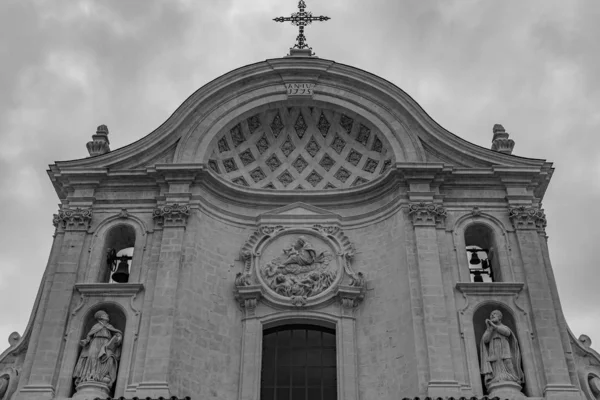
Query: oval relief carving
[(305, 266)]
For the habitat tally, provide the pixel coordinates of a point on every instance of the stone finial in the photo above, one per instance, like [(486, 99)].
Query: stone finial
[(99, 144), (500, 142)]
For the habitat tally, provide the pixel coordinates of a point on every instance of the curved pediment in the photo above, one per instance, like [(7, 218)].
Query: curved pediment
[(380, 113)]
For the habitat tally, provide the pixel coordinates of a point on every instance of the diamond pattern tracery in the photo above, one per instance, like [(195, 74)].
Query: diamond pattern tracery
[(300, 164), (214, 165), (338, 144), (237, 136), (354, 157), (257, 174), (300, 126), (287, 147), (263, 144), (323, 125), (377, 145), (327, 162), (240, 181), (346, 122), (363, 135), (370, 165), (314, 178), (277, 125), (359, 181), (253, 123), (230, 165), (386, 165), (223, 145), (273, 162), (285, 178), (342, 174), (312, 147), (247, 157), (249, 149)]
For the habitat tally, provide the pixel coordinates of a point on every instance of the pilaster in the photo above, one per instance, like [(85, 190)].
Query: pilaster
[(425, 217), (172, 220), (528, 221), (72, 225)]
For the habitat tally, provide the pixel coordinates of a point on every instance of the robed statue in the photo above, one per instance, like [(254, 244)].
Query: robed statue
[(500, 355), (100, 353)]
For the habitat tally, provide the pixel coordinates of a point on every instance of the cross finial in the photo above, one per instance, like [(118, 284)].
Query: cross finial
[(301, 19)]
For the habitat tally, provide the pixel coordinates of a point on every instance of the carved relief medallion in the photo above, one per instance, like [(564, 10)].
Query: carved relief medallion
[(304, 267)]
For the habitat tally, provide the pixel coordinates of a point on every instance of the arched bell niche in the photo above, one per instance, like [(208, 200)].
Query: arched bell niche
[(482, 313), (117, 319)]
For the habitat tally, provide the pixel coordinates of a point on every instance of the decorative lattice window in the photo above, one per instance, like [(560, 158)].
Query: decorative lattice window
[(299, 363)]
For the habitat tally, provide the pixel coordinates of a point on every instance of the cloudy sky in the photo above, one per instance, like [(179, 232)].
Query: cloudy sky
[(68, 66)]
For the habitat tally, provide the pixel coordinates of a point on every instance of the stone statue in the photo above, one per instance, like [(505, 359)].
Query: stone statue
[(99, 358), (301, 271), (500, 355)]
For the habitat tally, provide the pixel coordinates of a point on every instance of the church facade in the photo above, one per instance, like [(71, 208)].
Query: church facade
[(299, 229)]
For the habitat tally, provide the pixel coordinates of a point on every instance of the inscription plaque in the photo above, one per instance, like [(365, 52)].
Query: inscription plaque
[(300, 89)]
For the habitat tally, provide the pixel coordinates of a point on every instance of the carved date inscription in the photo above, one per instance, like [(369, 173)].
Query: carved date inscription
[(300, 89)]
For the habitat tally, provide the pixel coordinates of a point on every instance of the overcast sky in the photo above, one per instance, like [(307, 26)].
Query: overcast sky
[(69, 66)]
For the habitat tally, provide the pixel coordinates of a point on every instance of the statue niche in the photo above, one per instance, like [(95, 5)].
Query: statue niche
[(300, 271), (98, 362), (500, 358)]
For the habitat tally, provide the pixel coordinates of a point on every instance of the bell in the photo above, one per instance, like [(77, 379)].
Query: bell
[(474, 258), (477, 276), (121, 275), (485, 264)]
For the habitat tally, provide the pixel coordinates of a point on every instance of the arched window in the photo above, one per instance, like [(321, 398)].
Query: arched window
[(480, 253), (119, 245), (299, 363)]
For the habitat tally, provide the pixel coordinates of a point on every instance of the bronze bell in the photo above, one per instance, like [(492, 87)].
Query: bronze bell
[(474, 258), (121, 275)]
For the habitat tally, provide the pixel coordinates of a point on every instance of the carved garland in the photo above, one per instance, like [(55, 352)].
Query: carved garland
[(248, 290)]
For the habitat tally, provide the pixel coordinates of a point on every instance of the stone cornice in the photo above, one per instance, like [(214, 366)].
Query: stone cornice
[(490, 288)]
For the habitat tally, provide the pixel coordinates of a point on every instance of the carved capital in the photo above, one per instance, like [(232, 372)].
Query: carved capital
[(527, 218), (171, 215), (427, 214), (248, 298), (351, 296), (78, 219)]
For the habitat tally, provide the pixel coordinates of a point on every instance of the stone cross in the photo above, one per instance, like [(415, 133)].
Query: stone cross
[(301, 19)]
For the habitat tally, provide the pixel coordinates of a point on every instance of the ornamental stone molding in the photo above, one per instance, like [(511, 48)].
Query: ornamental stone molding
[(9, 381), (500, 142), (427, 214), (523, 217), (173, 215), (100, 143), (298, 267), (78, 219)]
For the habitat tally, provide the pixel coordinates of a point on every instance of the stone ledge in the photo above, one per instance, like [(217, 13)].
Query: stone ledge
[(497, 288), (113, 289)]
